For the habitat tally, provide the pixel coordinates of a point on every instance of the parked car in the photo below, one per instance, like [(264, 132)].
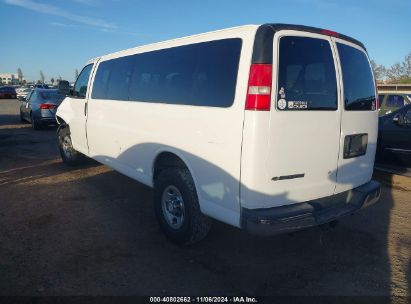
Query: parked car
[(8, 92), (41, 86), (40, 107), (394, 137), (20, 88), (223, 125), (64, 87), (23, 92), (390, 102)]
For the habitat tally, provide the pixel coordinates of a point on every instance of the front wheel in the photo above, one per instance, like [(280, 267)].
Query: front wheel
[(69, 155), (177, 209)]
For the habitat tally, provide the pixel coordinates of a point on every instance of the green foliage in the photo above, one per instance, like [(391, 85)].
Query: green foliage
[(405, 80), (397, 73)]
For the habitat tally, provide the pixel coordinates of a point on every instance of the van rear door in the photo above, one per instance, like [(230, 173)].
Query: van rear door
[(305, 120), (359, 120)]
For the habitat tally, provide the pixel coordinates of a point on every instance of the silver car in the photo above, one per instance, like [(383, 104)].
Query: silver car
[(23, 92), (40, 107)]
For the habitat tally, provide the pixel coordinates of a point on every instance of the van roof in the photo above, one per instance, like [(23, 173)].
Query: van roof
[(249, 26), (263, 43), (264, 33), (304, 28)]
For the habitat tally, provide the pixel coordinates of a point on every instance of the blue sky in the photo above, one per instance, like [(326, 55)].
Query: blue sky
[(61, 35)]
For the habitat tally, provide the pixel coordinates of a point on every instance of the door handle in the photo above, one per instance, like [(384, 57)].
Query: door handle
[(85, 108)]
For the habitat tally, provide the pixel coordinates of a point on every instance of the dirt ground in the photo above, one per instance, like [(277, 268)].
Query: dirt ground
[(91, 231)]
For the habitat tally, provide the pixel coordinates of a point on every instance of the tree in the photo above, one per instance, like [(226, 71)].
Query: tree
[(400, 72), (406, 65), (42, 77), (395, 72), (75, 74), (379, 70), (20, 75), (52, 80)]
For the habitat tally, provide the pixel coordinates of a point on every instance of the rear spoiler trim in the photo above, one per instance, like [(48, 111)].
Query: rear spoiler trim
[(263, 43)]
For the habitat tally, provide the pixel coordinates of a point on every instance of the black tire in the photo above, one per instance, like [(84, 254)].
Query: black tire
[(195, 225), (34, 124), (21, 117), (69, 155)]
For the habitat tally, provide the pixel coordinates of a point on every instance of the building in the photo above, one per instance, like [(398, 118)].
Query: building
[(394, 88), (11, 79)]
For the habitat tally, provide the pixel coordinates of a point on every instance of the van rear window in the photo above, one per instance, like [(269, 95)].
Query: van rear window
[(307, 79), (202, 74), (359, 89)]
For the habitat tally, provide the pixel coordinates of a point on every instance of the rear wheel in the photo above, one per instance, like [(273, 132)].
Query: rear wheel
[(34, 123), (21, 117), (177, 209), (68, 154)]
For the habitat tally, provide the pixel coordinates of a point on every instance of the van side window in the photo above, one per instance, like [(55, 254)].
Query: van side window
[(80, 88), (119, 81), (359, 90), (202, 74), (307, 79), (101, 79)]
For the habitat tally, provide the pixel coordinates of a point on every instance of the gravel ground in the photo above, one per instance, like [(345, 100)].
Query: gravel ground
[(91, 231)]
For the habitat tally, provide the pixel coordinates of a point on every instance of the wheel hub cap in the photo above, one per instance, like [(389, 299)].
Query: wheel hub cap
[(173, 207)]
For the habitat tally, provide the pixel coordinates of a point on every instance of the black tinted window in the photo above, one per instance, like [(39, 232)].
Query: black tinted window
[(201, 74), (119, 81), (34, 96), (307, 79), (359, 90), (80, 88), (395, 101), (51, 96), (101, 80)]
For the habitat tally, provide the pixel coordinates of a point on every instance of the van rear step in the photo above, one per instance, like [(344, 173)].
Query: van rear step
[(284, 219)]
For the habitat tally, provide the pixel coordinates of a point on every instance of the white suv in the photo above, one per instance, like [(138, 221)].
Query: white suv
[(270, 128)]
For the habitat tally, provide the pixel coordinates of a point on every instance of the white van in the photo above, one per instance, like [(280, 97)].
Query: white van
[(270, 128)]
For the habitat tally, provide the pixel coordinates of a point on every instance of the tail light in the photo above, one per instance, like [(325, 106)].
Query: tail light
[(259, 87), (47, 106), (330, 33), (377, 98)]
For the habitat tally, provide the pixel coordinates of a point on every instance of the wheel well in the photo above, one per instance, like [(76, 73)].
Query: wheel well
[(62, 124), (166, 160), (60, 120)]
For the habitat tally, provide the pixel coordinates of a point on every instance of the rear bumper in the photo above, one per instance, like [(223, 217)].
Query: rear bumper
[(284, 219), (47, 121), (45, 117)]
